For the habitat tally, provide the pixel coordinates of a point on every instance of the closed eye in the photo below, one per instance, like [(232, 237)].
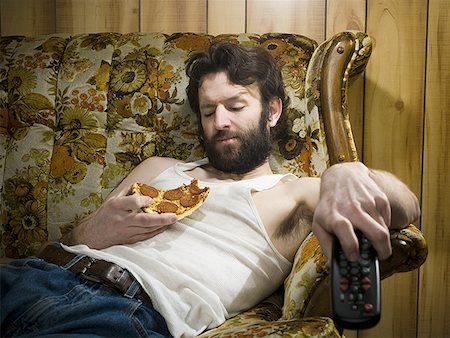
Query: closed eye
[(237, 108)]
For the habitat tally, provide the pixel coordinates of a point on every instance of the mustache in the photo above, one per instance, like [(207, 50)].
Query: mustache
[(223, 134)]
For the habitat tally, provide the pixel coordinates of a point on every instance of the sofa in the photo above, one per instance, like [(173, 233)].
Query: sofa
[(79, 112)]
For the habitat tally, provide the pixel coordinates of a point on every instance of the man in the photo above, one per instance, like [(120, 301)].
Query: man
[(229, 254)]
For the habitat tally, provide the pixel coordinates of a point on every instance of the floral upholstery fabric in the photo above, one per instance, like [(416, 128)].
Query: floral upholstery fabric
[(78, 113)]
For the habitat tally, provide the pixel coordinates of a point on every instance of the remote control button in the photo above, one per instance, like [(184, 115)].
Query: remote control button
[(365, 245), (365, 271), (368, 308), (366, 280), (344, 271), (343, 264), (343, 284), (354, 288), (366, 283), (365, 262)]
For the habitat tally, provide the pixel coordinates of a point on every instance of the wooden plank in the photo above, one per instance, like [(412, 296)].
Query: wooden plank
[(434, 277), (345, 15), (226, 16), (393, 130), (170, 16), (94, 16), (342, 15), (27, 17), (287, 16)]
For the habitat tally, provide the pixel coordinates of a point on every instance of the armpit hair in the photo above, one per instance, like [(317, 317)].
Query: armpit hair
[(298, 223)]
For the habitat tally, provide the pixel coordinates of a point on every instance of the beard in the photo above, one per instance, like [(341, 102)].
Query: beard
[(252, 149)]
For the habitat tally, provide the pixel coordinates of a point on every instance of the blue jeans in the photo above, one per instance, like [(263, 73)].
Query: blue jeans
[(43, 299)]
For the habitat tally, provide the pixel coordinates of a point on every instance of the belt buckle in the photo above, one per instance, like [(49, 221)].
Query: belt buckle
[(85, 272)]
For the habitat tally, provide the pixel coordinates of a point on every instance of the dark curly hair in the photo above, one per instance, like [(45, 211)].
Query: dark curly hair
[(244, 65)]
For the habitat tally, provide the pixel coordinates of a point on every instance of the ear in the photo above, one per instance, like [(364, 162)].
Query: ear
[(275, 109)]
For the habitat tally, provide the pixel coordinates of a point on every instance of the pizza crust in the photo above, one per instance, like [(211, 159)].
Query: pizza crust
[(182, 201)]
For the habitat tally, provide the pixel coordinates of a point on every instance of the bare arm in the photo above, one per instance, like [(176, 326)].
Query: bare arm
[(119, 219), (404, 205)]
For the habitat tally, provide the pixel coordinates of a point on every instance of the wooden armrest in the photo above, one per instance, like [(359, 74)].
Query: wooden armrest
[(409, 251), (334, 62)]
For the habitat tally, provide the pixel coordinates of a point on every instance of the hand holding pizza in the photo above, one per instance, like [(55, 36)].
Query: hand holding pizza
[(119, 220)]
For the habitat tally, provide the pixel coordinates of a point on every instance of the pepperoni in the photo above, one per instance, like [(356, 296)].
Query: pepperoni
[(194, 189), (148, 191), (167, 207), (174, 194), (189, 200)]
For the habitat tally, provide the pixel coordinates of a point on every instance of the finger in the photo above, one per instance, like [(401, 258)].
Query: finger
[(149, 220), (384, 208), (381, 241), (366, 219), (373, 225), (334, 224), (133, 202), (345, 233)]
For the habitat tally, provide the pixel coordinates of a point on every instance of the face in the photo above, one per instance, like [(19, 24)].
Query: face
[(236, 132)]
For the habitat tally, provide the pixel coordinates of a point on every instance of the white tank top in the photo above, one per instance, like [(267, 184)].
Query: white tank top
[(209, 266)]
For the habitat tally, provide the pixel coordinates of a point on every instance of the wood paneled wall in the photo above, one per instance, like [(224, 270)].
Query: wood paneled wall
[(400, 109)]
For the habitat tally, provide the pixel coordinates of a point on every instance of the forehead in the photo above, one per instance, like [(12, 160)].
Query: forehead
[(215, 87)]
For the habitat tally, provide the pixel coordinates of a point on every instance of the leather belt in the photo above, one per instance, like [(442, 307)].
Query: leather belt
[(95, 270)]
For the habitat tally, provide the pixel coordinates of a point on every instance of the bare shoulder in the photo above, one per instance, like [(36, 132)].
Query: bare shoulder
[(304, 190), (145, 172), (150, 168), (158, 164)]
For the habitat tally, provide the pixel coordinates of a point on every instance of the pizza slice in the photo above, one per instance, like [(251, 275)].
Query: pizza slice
[(181, 201)]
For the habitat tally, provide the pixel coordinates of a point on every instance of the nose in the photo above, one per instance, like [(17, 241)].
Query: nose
[(221, 118)]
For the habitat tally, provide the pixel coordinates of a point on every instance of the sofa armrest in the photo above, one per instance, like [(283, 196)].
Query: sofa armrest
[(309, 270), (333, 63), (307, 287), (409, 249)]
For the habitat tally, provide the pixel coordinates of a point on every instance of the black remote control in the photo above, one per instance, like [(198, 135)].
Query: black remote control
[(355, 287)]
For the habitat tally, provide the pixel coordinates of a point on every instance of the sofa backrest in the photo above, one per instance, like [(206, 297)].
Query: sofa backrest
[(77, 113)]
